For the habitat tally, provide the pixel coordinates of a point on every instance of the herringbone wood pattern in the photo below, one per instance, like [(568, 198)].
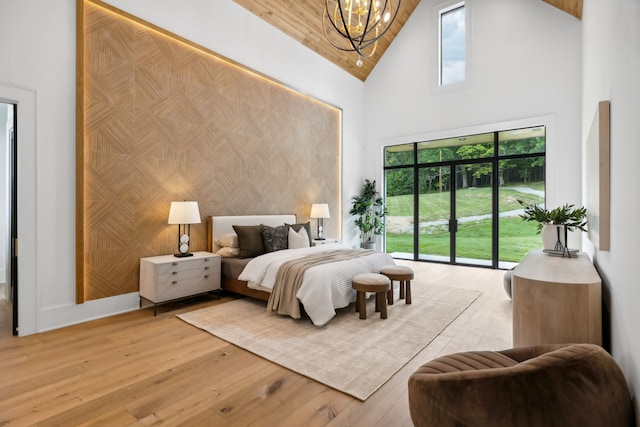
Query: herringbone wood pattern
[(166, 120)]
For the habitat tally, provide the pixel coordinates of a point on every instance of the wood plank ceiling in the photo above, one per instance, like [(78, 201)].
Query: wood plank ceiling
[(572, 7), (302, 20)]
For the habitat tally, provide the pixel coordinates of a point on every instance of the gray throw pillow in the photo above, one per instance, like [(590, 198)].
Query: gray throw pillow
[(275, 238), (249, 240)]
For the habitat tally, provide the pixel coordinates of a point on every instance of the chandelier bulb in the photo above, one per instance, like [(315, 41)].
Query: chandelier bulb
[(357, 25), (359, 62)]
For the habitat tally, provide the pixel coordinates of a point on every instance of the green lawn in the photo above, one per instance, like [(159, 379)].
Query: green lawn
[(516, 238), (476, 201)]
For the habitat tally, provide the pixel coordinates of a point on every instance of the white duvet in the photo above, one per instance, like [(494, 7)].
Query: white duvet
[(325, 287)]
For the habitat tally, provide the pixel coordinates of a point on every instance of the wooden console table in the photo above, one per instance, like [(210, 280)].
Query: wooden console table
[(556, 300)]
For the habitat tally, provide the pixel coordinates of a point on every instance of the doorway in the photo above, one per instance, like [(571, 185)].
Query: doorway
[(456, 214), (8, 216)]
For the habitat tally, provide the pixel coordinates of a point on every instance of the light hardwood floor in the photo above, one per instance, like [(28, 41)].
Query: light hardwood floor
[(134, 369)]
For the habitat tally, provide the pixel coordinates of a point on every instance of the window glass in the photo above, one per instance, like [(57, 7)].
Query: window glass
[(460, 201), (398, 155), (399, 197), (465, 147), (522, 141), (521, 180), (452, 44)]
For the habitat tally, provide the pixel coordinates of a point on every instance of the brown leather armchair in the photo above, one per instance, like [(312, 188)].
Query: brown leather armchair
[(547, 385)]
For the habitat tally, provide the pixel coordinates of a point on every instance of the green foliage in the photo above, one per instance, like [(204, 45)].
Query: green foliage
[(563, 215), (370, 210), (436, 178), (399, 182)]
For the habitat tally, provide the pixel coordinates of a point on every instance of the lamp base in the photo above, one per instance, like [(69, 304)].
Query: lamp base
[(179, 255)]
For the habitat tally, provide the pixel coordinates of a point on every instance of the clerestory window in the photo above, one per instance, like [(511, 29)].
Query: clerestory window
[(452, 44)]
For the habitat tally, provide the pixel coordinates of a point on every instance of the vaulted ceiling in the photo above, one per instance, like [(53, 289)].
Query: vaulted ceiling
[(302, 20)]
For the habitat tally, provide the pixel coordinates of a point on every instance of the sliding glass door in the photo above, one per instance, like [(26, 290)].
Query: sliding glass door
[(473, 214), (434, 213), (456, 200)]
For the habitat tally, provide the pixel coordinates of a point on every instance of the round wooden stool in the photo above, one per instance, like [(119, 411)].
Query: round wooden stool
[(402, 274), (371, 282)]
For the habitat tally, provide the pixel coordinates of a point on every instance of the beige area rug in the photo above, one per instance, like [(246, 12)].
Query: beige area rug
[(351, 355)]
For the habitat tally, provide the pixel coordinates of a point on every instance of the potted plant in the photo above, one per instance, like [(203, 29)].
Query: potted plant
[(370, 210), (550, 221)]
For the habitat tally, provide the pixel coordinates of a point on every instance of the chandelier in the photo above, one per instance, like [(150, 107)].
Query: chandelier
[(357, 25)]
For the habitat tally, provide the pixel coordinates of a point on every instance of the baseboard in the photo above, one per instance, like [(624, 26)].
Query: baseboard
[(67, 315)]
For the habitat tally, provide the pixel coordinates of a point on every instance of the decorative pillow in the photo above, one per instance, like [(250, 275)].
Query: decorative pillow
[(275, 238), (307, 227), (229, 240), (249, 240), (228, 252), (298, 239)]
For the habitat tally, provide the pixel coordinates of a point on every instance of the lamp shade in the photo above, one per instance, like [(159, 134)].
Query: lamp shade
[(184, 213), (320, 210)]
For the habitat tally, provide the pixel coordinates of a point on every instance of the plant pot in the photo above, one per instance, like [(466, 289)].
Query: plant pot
[(368, 245), (550, 236)]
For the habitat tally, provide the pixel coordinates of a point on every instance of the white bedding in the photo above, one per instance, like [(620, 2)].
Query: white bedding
[(324, 287)]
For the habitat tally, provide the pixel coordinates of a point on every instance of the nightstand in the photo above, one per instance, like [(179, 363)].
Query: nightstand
[(167, 278), (327, 241)]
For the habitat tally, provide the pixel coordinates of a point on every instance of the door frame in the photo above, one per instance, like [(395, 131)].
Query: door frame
[(495, 212), (12, 163), (453, 216), (26, 179)]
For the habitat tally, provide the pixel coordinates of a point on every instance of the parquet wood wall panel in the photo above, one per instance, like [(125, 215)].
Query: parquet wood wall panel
[(164, 120)]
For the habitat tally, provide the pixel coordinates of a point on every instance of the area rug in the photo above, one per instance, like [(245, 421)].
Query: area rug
[(349, 354)]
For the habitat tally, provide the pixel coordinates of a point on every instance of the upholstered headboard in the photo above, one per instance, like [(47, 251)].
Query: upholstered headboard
[(220, 225)]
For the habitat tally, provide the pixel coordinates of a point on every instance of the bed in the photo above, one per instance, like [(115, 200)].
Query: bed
[(323, 289)]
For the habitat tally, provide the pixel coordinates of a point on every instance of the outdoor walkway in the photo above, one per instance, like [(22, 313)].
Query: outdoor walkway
[(404, 224)]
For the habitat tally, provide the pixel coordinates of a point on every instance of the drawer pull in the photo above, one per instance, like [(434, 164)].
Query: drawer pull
[(206, 260), (206, 268), (174, 263), (206, 276), (174, 282), (174, 272)]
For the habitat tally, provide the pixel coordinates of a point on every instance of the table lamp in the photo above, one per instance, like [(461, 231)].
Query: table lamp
[(184, 214), (320, 211)]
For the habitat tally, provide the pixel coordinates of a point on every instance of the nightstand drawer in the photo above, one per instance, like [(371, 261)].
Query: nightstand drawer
[(186, 287), (179, 274), (183, 264)]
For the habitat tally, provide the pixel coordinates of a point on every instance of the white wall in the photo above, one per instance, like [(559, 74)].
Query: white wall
[(37, 54), (611, 71), (523, 70)]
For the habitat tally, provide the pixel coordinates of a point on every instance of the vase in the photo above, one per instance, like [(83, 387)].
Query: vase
[(368, 245), (551, 234)]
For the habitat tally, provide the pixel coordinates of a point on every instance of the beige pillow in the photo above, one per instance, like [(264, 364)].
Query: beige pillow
[(228, 252), (298, 239), (229, 240), (307, 227)]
